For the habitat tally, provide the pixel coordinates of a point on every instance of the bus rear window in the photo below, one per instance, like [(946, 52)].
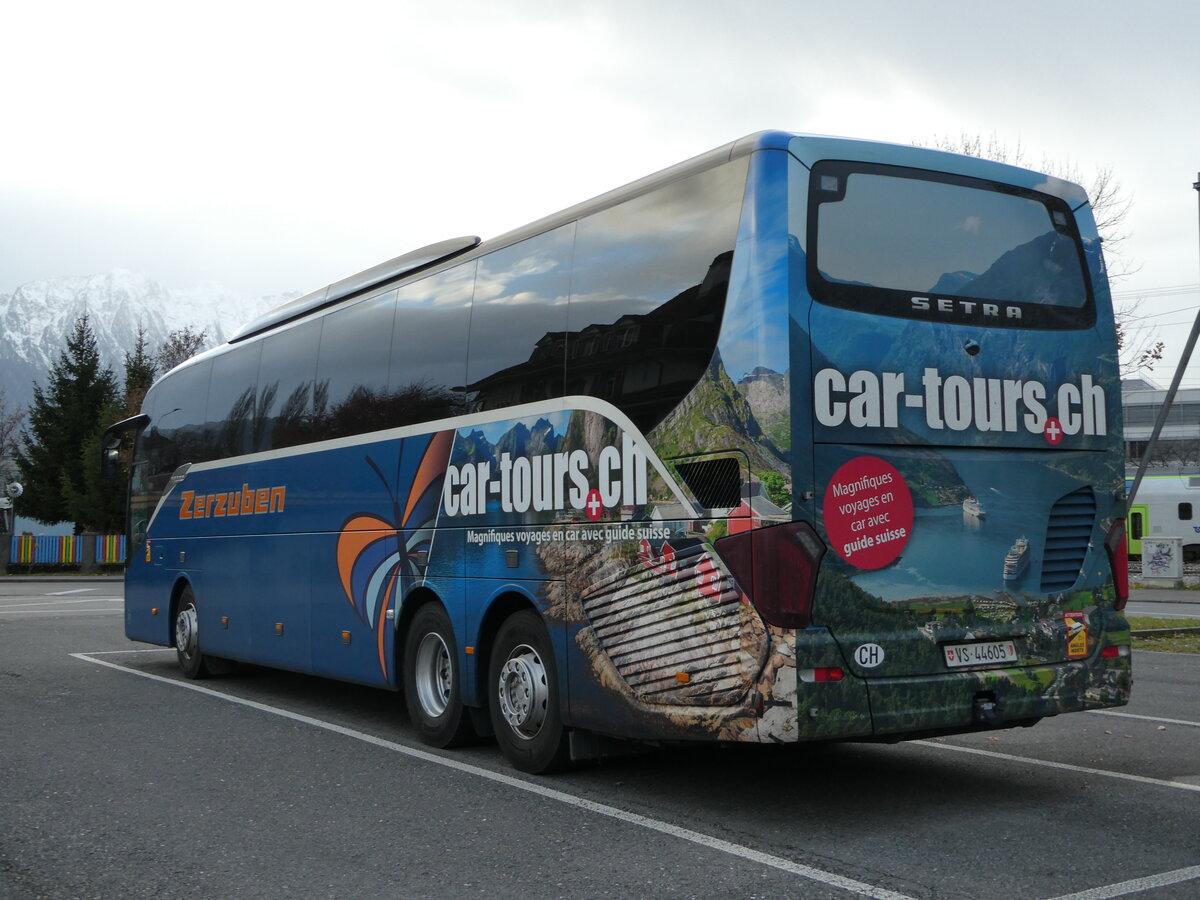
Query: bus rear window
[(910, 243)]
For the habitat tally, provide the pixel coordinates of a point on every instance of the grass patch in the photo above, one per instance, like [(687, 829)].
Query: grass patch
[(1179, 642)]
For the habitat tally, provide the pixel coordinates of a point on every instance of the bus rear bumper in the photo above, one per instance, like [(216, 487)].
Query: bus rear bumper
[(996, 698)]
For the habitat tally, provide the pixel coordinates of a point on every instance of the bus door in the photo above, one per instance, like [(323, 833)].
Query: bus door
[(1139, 526)]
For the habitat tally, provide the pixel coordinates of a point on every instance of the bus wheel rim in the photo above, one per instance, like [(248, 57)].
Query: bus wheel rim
[(186, 631), (524, 692), (434, 675)]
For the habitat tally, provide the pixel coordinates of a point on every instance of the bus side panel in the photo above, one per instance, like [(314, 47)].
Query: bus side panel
[(279, 601), (658, 641), (310, 563), (148, 597)]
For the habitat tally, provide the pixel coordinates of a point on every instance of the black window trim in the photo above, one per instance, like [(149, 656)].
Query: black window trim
[(898, 303)]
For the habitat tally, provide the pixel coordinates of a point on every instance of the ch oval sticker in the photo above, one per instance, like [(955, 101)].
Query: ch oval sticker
[(868, 656)]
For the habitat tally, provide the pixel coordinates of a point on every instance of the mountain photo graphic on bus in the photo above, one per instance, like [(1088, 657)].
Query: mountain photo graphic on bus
[(805, 438)]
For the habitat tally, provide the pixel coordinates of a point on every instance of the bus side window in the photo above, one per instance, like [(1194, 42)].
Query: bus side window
[(429, 347), (518, 319), (352, 369), (648, 289), (178, 432), (283, 417), (1185, 512), (230, 422)]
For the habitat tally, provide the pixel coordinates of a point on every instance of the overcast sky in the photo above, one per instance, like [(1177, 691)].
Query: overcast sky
[(271, 147)]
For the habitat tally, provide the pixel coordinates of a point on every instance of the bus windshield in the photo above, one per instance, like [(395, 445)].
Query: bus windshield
[(923, 234)]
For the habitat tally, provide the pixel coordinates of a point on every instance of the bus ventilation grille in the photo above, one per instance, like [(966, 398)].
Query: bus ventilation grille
[(1067, 538), (676, 630), (715, 483)]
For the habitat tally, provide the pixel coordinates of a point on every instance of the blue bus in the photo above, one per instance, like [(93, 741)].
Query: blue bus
[(803, 439)]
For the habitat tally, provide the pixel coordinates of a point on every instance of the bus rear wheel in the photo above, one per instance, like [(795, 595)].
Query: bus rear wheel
[(523, 696), (432, 689)]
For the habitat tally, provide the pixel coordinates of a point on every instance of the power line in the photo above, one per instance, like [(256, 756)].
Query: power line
[(1132, 324), (1167, 291)]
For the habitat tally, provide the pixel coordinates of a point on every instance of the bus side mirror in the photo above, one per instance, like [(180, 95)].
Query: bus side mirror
[(110, 443)]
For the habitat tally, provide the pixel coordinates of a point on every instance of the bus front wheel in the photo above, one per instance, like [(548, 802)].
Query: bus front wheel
[(431, 680), (523, 696), (193, 662)]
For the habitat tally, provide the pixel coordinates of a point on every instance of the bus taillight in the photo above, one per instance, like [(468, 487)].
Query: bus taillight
[(777, 568), (1118, 560)]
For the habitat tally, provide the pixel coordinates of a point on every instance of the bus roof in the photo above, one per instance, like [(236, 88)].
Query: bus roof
[(465, 248)]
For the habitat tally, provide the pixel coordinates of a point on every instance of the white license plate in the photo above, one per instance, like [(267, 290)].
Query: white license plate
[(983, 653)]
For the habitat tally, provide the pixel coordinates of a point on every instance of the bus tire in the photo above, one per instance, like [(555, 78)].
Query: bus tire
[(523, 696), (432, 681), (192, 661)]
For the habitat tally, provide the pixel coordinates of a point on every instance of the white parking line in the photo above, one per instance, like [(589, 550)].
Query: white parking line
[(75, 591), (1109, 712), (15, 607), (1135, 885), (1083, 770), (830, 879), (49, 613)]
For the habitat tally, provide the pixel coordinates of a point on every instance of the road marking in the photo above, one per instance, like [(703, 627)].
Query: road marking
[(1067, 767), (41, 603), (1136, 885), (49, 613), (860, 888), (74, 591), (1109, 712)]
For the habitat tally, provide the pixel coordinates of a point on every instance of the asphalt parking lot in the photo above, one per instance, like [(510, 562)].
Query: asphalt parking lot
[(122, 779)]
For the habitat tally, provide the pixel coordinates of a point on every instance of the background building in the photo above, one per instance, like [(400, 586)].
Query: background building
[(1178, 447)]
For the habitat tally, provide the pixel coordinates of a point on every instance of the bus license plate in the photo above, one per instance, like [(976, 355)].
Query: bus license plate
[(980, 654)]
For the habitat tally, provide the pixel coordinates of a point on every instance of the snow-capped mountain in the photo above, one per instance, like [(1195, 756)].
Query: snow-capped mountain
[(36, 318)]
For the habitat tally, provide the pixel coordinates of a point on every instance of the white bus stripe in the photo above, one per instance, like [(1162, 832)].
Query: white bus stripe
[(860, 888)]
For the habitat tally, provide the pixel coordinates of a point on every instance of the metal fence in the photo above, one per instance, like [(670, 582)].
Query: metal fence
[(67, 550)]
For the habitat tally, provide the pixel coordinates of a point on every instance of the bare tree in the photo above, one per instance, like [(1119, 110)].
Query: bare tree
[(1110, 204), (11, 420), (180, 345)]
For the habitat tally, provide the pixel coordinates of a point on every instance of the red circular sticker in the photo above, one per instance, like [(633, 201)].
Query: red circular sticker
[(868, 512)]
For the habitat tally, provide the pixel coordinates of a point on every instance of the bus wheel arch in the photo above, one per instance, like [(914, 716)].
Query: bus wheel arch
[(432, 673)]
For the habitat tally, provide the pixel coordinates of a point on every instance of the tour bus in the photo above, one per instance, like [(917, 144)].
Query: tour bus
[(806, 438)]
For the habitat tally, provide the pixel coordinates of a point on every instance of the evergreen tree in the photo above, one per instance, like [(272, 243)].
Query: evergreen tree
[(99, 503), (72, 410), (140, 369)]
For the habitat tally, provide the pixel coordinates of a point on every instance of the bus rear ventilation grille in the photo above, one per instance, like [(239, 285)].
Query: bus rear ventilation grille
[(715, 483), (679, 616), (1067, 537)]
